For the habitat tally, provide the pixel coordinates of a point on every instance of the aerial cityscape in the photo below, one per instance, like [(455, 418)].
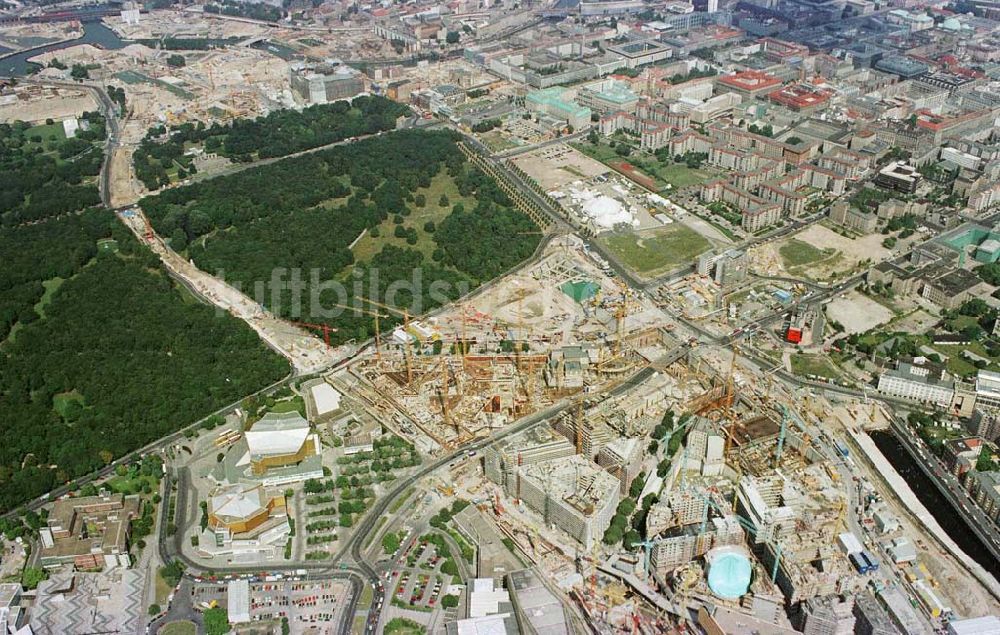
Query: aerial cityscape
[(499, 317)]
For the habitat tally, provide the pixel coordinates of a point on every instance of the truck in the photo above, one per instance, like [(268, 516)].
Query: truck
[(842, 449), (870, 560), (859, 562)]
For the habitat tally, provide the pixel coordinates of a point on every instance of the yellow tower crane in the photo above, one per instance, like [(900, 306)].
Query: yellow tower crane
[(377, 316), (406, 329)]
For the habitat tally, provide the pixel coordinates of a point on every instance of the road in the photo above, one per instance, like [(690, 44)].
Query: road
[(110, 112), (156, 446), (980, 524), (350, 563)]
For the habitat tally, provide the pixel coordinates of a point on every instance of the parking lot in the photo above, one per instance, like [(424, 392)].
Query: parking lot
[(308, 604)]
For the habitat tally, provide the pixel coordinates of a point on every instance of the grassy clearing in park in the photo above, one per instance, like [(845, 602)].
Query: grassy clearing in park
[(129, 484), (62, 401), (797, 253), (658, 250), (51, 286), (108, 245), (51, 134), (805, 364), (367, 247), (179, 628)]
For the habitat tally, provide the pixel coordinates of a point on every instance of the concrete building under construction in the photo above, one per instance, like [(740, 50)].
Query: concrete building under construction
[(680, 545), (532, 446), (325, 83), (572, 494)]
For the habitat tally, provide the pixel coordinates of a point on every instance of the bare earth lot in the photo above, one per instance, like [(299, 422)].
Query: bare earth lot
[(857, 313)]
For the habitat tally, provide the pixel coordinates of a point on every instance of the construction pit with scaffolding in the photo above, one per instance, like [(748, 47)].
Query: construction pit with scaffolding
[(553, 329), (743, 477)]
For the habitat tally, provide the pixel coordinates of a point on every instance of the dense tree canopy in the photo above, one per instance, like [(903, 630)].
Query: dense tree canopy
[(305, 212), (40, 179), (118, 360), (280, 133)]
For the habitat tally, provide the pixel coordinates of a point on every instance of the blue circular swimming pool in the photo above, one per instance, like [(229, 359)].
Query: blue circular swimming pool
[(729, 574)]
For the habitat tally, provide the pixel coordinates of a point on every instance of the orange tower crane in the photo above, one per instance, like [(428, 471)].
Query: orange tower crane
[(378, 331), (326, 329)]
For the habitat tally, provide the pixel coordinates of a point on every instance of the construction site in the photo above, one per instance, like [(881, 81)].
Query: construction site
[(554, 329), (737, 504)]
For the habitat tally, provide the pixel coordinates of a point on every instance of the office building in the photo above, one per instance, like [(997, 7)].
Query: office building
[(534, 445), (682, 544), (918, 384), (622, 458), (827, 615), (572, 494), (325, 83), (871, 618), (898, 176), (552, 102), (984, 487), (91, 532), (725, 267), (705, 448), (760, 500), (748, 84)]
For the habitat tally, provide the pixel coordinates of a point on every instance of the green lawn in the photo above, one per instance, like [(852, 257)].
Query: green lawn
[(680, 175), (179, 628), (51, 286), (62, 401), (367, 247), (162, 590), (295, 404), (658, 250), (961, 366), (677, 175), (130, 484), (109, 245), (797, 253), (365, 601), (818, 365), (50, 133)]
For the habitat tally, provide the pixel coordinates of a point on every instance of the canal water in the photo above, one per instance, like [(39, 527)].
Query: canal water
[(93, 33), (936, 504)]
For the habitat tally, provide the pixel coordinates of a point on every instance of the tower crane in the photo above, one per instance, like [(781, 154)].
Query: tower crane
[(787, 414), (325, 328), (377, 316), (406, 329)]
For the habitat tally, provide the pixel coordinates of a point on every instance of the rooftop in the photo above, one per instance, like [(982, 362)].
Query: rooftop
[(277, 433), (750, 80)]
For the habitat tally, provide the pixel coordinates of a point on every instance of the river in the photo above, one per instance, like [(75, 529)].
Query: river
[(936, 504), (95, 33)]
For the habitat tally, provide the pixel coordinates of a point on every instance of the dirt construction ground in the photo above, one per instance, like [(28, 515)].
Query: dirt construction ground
[(557, 166), (35, 104), (836, 256), (857, 313)]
